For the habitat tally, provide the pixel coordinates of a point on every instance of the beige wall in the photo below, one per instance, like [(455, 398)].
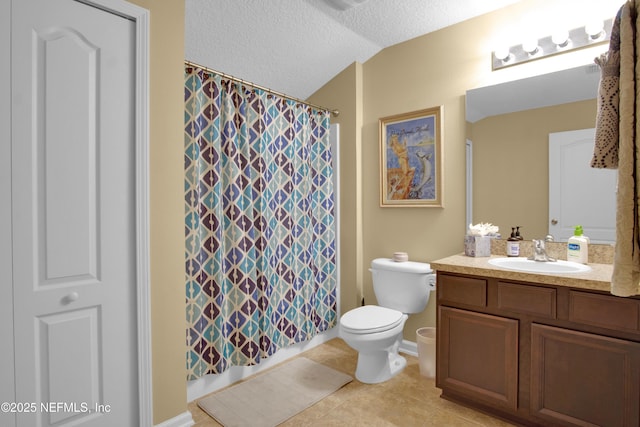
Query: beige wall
[(511, 165), (408, 77), (349, 84), (432, 70), (167, 208)]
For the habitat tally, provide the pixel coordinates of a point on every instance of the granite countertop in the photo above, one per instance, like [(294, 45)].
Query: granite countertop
[(599, 278)]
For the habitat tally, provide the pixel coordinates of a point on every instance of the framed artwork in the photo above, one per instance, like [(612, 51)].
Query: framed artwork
[(411, 159)]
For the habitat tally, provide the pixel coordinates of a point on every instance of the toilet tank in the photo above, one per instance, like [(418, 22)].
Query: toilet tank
[(403, 286)]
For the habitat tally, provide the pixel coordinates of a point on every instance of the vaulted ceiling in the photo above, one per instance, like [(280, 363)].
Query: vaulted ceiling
[(296, 46)]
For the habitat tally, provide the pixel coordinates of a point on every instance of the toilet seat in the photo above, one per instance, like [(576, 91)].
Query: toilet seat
[(370, 319)]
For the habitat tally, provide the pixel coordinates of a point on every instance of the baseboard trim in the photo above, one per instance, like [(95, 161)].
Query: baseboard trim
[(409, 347), (210, 383), (182, 420)]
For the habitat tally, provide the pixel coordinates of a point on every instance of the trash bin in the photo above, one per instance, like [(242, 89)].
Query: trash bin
[(426, 339)]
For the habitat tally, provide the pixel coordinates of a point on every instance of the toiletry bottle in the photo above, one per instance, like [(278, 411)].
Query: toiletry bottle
[(513, 244), (518, 236), (578, 247)]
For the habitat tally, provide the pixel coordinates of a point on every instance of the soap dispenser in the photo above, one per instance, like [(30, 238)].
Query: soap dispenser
[(578, 246), (518, 236), (513, 244)]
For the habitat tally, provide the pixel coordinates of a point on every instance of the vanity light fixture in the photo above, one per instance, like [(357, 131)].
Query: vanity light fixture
[(563, 41)]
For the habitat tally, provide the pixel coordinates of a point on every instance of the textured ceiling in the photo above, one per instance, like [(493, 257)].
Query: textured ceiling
[(296, 46)]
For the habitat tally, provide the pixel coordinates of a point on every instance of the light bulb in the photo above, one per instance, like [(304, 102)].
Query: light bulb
[(530, 46), (594, 29), (502, 53), (560, 38)]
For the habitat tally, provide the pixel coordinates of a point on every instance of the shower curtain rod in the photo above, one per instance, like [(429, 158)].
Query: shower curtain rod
[(334, 113)]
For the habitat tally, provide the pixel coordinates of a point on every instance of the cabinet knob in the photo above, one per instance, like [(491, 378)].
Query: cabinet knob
[(554, 221)]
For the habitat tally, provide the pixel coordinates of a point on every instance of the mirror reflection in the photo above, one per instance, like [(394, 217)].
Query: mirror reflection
[(517, 179)]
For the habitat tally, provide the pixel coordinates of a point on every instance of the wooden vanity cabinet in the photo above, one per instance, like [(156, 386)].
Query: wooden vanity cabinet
[(539, 355)]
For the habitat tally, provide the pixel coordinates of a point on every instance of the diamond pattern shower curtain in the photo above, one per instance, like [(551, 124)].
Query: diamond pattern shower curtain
[(259, 223)]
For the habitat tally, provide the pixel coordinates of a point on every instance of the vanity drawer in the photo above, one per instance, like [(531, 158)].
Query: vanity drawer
[(463, 290), (605, 311), (535, 300)]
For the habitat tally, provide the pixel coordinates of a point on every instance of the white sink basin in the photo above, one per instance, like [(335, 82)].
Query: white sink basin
[(530, 266)]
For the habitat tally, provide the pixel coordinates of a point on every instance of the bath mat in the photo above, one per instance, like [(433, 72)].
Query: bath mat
[(271, 398)]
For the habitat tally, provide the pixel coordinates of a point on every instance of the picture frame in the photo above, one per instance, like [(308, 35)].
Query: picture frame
[(411, 166)]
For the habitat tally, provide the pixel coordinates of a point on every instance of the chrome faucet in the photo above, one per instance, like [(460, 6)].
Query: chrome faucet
[(540, 252)]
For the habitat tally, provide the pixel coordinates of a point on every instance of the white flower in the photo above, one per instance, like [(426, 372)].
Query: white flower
[(482, 229)]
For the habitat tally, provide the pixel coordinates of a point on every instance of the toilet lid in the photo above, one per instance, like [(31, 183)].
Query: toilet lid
[(370, 318)]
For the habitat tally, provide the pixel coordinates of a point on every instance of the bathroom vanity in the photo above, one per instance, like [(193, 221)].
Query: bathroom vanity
[(537, 349)]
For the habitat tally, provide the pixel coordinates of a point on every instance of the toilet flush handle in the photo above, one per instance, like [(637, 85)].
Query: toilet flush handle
[(431, 281)]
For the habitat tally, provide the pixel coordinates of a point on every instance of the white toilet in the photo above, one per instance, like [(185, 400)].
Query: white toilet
[(375, 331)]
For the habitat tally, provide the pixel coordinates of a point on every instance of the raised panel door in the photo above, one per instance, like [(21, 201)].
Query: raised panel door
[(478, 356), (73, 214), (582, 379)]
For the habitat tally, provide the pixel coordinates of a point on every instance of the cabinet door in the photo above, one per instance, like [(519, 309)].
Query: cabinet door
[(478, 356), (581, 379)]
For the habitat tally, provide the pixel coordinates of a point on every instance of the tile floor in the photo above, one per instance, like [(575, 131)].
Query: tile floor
[(408, 399)]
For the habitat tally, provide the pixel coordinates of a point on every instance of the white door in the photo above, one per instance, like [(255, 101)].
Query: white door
[(6, 282), (73, 214), (578, 193)]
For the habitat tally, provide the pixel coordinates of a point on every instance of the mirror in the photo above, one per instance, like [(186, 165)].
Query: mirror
[(545, 90), (509, 125)]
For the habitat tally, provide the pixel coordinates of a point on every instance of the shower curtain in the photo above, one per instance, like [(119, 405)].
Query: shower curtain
[(259, 223)]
